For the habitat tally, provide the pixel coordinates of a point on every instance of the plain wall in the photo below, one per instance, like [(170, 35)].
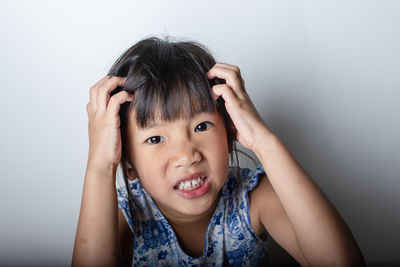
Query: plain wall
[(324, 75)]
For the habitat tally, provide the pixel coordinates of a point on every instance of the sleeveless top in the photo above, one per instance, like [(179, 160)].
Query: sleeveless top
[(229, 240)]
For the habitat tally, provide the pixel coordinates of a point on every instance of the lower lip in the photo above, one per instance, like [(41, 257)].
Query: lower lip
[(195, 193)]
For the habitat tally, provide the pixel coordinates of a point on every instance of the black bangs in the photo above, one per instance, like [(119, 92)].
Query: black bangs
[(169, 81), (183, 96)]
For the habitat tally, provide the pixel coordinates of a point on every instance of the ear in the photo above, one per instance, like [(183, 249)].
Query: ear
[(131, 171)]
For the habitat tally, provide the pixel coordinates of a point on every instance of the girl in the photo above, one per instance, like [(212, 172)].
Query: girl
[(170, 116)]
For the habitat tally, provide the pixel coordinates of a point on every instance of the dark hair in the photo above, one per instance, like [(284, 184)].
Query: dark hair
[(162, 74)]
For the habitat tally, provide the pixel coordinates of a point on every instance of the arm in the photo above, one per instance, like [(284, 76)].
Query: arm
[(267, 213), (97, 237), (126, 240), (96, 241), (304, 221), (310, 228)]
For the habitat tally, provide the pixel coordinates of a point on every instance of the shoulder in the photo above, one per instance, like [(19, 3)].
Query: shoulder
[(265, 205), (258, 197), (248, 178), (246, 193)]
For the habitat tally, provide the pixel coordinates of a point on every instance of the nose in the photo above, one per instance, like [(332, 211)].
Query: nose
[(186, 154)]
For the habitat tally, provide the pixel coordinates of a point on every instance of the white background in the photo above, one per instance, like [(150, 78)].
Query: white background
[(324, 75)]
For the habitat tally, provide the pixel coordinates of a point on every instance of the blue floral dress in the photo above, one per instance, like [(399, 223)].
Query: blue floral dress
[(229, 241)]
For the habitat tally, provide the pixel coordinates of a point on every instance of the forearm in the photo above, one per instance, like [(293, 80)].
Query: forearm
[(321, 233), (96, 241)]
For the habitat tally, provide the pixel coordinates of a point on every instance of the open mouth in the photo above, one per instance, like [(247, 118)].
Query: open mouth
[(193, 188), (191, 184)]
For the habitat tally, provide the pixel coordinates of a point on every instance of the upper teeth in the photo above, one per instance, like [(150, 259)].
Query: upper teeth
[(190, 185)]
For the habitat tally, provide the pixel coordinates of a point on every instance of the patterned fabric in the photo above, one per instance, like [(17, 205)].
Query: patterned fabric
[(230, 240)]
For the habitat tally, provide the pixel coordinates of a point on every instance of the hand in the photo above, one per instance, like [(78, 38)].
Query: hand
[(104, 122), (249, 125)]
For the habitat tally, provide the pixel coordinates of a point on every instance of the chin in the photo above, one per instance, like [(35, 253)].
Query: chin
[(199, 206)]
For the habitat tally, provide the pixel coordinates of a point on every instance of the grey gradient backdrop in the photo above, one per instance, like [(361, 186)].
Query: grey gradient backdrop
[(324, 75)]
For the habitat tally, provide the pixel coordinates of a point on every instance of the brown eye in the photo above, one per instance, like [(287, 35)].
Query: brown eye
[(205, 125), (155, 140)]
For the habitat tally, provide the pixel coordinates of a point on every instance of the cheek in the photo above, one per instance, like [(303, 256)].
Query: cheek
[(150, 166), (147, 163), (222, 142), (151, 178), (217, 151)]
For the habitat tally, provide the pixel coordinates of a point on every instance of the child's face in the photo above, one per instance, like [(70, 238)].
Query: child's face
[(164, 154)]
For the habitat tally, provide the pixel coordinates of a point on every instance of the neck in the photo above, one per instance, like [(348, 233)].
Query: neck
[(179, 220)]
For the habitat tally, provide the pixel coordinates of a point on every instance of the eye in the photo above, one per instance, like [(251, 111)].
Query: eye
[(155, 140), (205, 125)]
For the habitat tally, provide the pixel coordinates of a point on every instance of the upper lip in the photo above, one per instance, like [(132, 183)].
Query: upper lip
[(189, 177)]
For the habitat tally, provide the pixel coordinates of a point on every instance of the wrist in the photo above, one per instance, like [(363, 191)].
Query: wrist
[(100, 168), (264, 143)]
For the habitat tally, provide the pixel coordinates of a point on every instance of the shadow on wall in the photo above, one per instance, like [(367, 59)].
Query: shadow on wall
[(384, 264), (356, 170), (279, 257)]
